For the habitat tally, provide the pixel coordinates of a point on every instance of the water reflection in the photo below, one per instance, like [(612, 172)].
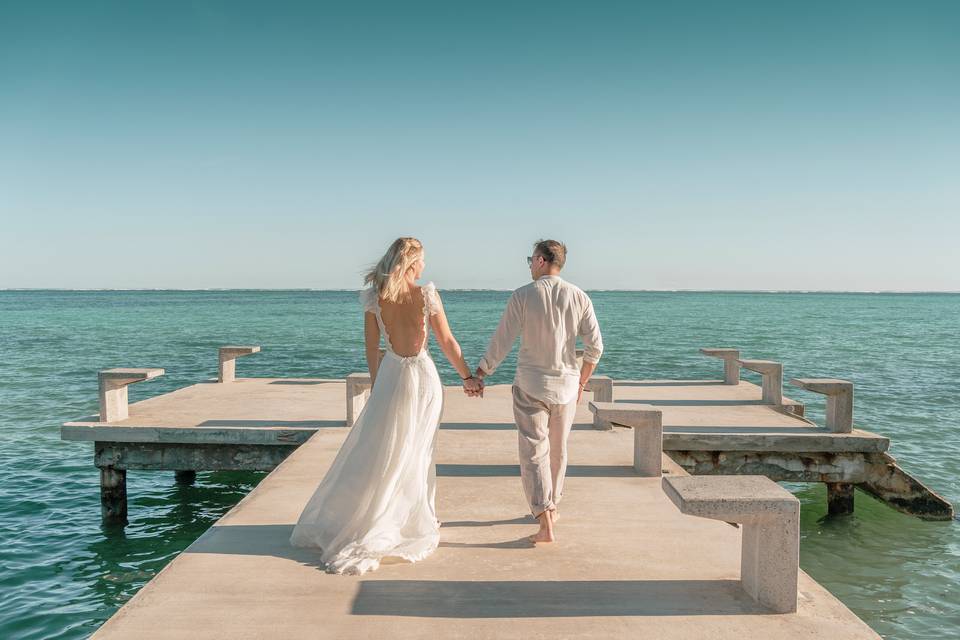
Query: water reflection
[(877, 561), (163, 522)]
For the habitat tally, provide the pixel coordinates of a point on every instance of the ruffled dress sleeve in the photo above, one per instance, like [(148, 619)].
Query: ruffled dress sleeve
[(368, 299), (431, 299)]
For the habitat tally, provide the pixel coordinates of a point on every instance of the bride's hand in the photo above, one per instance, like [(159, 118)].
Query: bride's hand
[(473, 386)]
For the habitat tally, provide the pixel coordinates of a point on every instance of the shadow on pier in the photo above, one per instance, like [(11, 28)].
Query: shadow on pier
[(297, 424), (669, 383), (494, 470), (551, 599), (694, 403), (495, 598), (499, 426)]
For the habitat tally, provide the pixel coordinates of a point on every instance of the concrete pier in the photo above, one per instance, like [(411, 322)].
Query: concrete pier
[(708, 426), (628, 563), (712, 428)]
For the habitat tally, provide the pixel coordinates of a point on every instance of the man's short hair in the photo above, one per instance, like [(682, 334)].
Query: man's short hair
[(552, 251)]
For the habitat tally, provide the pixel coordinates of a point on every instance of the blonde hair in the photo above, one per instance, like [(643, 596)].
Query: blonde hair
[(387, 275)]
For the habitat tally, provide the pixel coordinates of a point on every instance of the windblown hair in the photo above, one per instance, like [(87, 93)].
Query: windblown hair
[(387, 275), (552, 251)]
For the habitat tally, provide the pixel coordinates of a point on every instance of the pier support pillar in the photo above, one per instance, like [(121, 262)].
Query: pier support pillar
[(839, 498), (185, 476), (113, 494)]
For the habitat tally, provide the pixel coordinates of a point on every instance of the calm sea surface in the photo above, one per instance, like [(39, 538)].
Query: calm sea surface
[(62, 573)]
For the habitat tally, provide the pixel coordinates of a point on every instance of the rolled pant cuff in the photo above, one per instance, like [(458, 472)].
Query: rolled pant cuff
[(538, 510)]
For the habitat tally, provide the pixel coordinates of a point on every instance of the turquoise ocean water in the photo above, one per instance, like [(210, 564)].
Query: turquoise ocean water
[(62, 573)]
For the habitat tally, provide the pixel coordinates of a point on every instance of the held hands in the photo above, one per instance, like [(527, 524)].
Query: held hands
[(473, 387)]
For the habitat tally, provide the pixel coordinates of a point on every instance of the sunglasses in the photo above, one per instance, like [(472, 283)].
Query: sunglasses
[(530, 260)]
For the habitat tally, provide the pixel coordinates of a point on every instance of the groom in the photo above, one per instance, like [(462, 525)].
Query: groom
[(548, 315)]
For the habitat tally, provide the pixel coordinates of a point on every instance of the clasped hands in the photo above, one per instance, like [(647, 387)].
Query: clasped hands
[(473, 386)]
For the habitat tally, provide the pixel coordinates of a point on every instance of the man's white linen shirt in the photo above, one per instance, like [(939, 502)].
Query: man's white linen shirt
[(548, 314)]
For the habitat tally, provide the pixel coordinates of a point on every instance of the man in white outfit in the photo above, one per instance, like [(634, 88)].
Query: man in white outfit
[(548, 315)]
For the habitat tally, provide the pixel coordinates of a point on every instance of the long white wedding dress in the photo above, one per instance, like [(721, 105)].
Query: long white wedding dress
[(377, 499)]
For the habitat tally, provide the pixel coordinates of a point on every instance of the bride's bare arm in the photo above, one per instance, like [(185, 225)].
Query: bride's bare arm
[(448, 344), (371, 334)]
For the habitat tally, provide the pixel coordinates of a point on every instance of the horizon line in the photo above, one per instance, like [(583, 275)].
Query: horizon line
[(344, 290)]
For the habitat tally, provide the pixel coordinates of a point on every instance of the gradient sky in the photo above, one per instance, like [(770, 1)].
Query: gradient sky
[(692, 145)]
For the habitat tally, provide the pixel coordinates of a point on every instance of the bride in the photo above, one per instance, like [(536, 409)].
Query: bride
[(377, 498)]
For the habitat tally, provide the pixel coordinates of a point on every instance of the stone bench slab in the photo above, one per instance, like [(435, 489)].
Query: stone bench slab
[(826, 386), (113, 390), (839, 400), (647, 424), (770, 539), (731, 370), (131, 374), (227, 369), (234, 350), (728, 498), (761, 366)]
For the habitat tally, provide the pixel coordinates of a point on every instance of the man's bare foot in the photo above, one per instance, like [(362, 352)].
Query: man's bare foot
[(545, 534), (542, 537)]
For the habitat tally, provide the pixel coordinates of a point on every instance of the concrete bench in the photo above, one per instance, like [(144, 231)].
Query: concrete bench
[(228, 365), (359, 386), (647, 424), (601, 387), (771, 374), (358, 390), (769, 516), (731, 370), (113, 390), (839, 400)]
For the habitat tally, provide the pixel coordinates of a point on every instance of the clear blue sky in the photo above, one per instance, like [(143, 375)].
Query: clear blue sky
[(701, 145)]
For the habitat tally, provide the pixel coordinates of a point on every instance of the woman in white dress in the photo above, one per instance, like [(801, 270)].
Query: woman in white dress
[(377, 499)]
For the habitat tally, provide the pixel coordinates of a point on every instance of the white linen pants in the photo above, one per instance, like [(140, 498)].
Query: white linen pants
[(543, 430)]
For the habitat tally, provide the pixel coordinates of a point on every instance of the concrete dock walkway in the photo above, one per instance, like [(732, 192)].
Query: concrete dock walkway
[(627, 564)]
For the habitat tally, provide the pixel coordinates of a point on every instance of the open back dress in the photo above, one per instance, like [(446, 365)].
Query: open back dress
[(377, 499)]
